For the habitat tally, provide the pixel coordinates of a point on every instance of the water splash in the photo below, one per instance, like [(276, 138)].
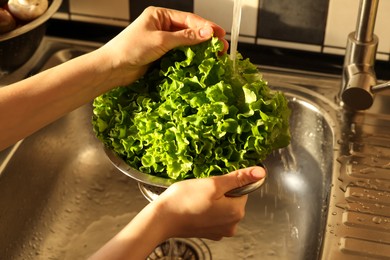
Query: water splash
[(288, 159)]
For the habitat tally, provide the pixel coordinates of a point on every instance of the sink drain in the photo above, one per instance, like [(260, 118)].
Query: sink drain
[(181, 249)]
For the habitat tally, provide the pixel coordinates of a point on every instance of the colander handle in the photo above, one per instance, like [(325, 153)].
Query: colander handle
[(240, 191)]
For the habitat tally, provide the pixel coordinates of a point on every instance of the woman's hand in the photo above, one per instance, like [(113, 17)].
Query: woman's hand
[(39, 100), (199, 207), (191, 208), (151, 35)]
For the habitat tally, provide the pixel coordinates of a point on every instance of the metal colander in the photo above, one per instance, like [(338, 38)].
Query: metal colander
[(151, 186)]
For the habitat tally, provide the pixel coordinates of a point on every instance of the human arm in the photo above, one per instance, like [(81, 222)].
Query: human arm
[(30, 104), (191, 208)]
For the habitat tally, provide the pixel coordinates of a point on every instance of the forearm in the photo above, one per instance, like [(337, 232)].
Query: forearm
[(190, 208), (37, 101), (139, 238)]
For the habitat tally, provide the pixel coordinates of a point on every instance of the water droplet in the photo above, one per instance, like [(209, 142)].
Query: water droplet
[(294, 232), (379, 205), (367, 170), (360, 219), (271, 252), (360, 183), (386, 166), (357, 194), (377, 220), (344, 206)]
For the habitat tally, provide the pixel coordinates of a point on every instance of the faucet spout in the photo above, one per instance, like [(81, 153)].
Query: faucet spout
[(366, 20), (358, 70)]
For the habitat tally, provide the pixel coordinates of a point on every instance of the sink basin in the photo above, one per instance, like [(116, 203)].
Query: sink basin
[(61, 198)]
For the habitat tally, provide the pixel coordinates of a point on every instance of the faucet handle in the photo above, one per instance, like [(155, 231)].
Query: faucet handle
[(380, 87)]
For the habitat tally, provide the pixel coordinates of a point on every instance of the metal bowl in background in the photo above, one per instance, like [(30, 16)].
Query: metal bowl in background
[(18, 45)]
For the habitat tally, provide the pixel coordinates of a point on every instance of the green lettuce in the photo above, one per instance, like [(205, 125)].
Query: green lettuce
[(193, 116)]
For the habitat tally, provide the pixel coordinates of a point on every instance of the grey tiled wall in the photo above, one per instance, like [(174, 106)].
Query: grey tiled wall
[(311, 25), (304, 20), (138, 6)]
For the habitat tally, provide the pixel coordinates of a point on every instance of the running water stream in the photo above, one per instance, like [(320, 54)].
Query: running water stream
[(235, 31)]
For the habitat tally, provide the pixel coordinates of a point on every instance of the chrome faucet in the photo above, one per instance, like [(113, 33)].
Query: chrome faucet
[(359, 82)]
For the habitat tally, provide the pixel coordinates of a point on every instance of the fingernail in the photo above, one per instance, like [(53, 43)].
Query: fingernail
[(206, 32), (258, 173)]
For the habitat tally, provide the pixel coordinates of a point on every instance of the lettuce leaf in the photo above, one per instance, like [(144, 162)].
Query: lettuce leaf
[(192, 116)]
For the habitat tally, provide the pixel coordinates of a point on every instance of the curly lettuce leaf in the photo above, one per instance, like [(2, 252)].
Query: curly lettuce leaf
[(192, 116)]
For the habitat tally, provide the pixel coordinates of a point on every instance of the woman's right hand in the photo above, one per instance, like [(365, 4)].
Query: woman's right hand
[(199, 207), (191, 208)]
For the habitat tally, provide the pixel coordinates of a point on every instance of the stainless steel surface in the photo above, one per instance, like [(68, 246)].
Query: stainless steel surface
[(359, 76), (150, 192), (181, 249), (366, 20), (358, 225), (151, 182), (380, 87), (326, 195), (359, 215)]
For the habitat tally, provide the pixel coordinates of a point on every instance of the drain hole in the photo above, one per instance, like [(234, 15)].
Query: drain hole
[(181, 249)]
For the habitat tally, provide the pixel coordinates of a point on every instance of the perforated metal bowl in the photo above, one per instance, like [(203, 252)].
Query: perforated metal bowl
[(153, 185)]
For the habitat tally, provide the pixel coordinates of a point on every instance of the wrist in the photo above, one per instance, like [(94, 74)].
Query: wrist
[(118, 71), (139, 238), (164, 222)]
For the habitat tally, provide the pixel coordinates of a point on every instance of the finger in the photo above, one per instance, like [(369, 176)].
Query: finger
[(225, 44), (186, 37), (239, 178), (188, 29), (186, 20), (189, 36)]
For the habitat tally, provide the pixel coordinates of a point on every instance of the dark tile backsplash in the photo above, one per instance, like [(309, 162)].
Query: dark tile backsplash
[(136, 6), (64, 7), (300, 21), (310, 25)]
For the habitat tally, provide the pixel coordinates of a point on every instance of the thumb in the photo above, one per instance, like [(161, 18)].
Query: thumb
[(188, 36), (240, 178)]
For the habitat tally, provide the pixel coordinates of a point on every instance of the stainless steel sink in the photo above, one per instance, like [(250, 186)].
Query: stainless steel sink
[(61, 198)]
